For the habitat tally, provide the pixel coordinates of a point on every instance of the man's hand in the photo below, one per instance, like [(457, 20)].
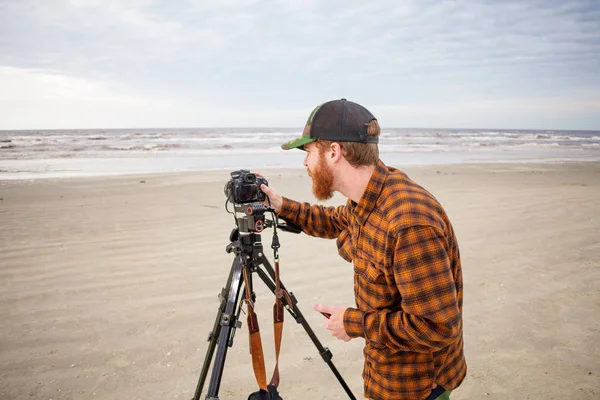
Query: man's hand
[(335, 323), (276, 200)]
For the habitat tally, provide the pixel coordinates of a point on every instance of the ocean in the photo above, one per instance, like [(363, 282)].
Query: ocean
[(98, 152)]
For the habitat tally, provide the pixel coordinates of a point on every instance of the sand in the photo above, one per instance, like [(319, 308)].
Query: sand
[(109, 285)]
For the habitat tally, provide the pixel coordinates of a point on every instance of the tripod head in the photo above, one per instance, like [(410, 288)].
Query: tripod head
[(253, 220), (250, 222)]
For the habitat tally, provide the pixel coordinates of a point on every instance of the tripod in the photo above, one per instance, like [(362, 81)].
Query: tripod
[(247, 247)]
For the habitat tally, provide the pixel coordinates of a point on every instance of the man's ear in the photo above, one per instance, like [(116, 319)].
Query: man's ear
[(336, 152)]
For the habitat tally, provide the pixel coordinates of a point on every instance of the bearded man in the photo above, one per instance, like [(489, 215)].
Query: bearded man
[(407, 272)]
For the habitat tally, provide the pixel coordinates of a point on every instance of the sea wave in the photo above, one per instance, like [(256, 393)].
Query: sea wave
[(147, 147), (234, 142)]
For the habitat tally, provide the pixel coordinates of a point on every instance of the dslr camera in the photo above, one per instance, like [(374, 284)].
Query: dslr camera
[(244, 187)]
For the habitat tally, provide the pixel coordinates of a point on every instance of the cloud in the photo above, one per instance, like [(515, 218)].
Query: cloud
[(38, 100), (50, 101), (62, 102), (525, 113), (281, 54)]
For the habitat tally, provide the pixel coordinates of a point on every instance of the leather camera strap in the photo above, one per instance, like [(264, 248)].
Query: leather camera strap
[(256, 350), (277, 324), (258, 359)]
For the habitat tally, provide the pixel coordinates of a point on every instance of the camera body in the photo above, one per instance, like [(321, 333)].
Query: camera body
[(244, 187)]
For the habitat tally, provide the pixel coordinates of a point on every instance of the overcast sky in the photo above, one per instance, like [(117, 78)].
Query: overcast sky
[(137, 63)]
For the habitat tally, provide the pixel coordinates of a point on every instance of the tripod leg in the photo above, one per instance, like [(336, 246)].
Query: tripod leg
[(269, 278), (228, 320), (213, 336)]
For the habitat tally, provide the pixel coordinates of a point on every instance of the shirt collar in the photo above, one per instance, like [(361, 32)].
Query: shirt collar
[(367, 202)]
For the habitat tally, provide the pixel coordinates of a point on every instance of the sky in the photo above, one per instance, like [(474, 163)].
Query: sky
[(77, 64)]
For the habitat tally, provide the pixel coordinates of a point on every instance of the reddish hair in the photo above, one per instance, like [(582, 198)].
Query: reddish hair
[(357, 154)]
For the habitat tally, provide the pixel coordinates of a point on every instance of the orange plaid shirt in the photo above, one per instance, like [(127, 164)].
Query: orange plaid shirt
[(407, 283)]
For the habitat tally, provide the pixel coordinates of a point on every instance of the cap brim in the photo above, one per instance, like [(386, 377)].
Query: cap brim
[(297, 143)]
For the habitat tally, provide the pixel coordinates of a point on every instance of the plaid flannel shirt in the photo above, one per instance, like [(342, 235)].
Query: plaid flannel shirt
[(407, 283)]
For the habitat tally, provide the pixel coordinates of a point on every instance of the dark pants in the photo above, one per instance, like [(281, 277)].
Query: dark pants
[(439, 393)]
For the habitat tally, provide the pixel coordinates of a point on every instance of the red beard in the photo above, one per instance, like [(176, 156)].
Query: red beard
[(322, 178)]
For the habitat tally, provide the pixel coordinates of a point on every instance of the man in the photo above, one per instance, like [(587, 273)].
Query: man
[(407, 272)]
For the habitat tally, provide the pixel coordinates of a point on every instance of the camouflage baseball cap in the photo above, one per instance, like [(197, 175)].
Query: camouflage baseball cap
[(336, 120)]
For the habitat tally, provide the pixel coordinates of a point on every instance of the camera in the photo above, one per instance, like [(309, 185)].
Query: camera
[(244, 187)]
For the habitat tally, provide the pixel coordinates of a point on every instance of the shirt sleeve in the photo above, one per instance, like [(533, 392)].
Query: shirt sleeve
[(429, 317), (315, 220)]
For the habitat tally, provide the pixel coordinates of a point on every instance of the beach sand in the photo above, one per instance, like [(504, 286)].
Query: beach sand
[(109, 285)]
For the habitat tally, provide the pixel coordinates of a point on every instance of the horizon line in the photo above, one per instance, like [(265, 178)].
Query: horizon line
[(294, 127)]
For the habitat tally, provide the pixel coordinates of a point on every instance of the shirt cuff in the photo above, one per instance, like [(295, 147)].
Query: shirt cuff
[(289, 208), (354, 322)]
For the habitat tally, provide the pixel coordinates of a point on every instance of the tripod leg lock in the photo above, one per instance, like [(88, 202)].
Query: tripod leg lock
[(326, 354), (293, 299), (230, 320)]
